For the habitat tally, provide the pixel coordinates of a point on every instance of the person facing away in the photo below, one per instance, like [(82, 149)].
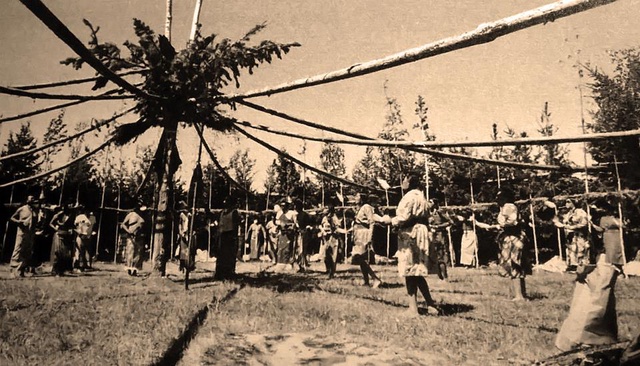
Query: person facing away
[(228, 224), (132, 225), (26, 220)]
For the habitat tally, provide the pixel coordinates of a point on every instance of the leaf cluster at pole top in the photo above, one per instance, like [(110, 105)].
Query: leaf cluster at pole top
[(189, 81)]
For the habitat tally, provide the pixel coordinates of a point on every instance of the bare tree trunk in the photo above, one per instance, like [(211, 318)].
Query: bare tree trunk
[(164, 192)]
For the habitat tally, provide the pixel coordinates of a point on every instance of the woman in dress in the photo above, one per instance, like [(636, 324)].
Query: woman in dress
[(576, 226), (411, 222), (62, 246), (330, 233), (469, 240), (362, 235)]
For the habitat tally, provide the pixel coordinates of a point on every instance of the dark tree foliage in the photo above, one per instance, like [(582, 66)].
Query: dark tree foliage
[(23, 166), (617, 96)]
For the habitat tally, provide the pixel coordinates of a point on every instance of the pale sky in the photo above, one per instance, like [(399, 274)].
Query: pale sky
[(506, 81)]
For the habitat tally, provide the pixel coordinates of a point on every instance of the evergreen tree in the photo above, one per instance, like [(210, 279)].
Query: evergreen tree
[(332, 161), (23, 166), (242, 166)]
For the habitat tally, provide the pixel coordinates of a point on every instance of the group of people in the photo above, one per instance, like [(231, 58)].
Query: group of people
[(73, 228)]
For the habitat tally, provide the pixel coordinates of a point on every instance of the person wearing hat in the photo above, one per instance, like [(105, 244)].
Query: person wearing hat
[(26, 220), (411, 222), (62, 246), (84, 232), (132, 226)]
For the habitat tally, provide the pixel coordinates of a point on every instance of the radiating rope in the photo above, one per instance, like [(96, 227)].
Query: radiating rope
[(36, 95), (52, 108), (484, 33), (303, 164), (68, 164), (71, 137), (215, 161), (63, 33), (432, 152), (74, 81)]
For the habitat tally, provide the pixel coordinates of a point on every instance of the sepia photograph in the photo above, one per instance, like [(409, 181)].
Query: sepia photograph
[(320, 182)]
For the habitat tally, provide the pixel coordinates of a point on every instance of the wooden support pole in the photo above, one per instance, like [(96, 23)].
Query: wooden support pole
[(533, 227), (168, 21), (624, 256), (209, 215), (196, 20), (473, 222), (559, 237), (104, 190), (386, 192)]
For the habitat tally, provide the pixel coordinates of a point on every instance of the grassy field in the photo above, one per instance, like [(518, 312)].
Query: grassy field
[(106, 317)]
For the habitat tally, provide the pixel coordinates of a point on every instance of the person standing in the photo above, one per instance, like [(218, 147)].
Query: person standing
[(362, 237), (26, 220), (187, 248), (469, 240), (62, 247), (438, 250), (84, 231), (303, 239), (576, 225), (286, 238), (330, 234), (272, 234), (256, 237), (511, 261), (227, 241), (132, 225), (411, 220)]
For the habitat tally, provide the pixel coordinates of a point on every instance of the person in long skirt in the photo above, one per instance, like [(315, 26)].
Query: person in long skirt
[(186, 245), (411, 220), (256, 237), (303, 237), (62, 246), (362, 236), (133, 227), (273, 232), (84, 231), (26, 220), (438, 248), (228, 224), (576, 226), (330, 232), (469, 241), (286, 236)]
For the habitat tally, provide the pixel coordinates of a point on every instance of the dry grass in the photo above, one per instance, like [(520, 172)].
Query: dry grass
[(106, 317)]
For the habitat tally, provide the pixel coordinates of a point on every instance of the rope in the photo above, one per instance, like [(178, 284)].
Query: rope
[(52, 108), (63, 33), (436, 153), (63, 140), (49, 172), (73, 82), (215, 161), (484, 33), (303, 164), (23, 93)]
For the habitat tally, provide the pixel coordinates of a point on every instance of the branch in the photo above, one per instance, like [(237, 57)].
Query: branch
[(73, 82), (484, 33), (63, 33), (23, 93)]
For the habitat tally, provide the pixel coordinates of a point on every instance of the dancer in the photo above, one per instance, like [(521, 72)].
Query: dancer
[(411, 221), (187, 249), (303, 225), (84, 231), (256, 237), (469, 240), (62, 245), (362, 235), (576, 226), (438, 249), (330, 232), (272, 234), (227, 241)]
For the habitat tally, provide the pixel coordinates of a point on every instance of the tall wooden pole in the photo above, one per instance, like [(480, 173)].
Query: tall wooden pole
[(196, 19), (209, 215), (6, 225), (169, 18), (533, 227), (386, 193), (104, 189), (584, 154), (559, 237), (473, 222), (624, 256), (64, 177)]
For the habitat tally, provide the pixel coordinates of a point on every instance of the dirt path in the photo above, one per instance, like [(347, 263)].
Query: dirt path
[(297, 349)]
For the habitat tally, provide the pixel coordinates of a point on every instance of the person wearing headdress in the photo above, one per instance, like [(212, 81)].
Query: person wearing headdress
[(228, 224), (187, 249), (411, 222), (132, 225), (84, 231), (26, 220), (438, 249), (62, 247), (576, 226), (362, 238)]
